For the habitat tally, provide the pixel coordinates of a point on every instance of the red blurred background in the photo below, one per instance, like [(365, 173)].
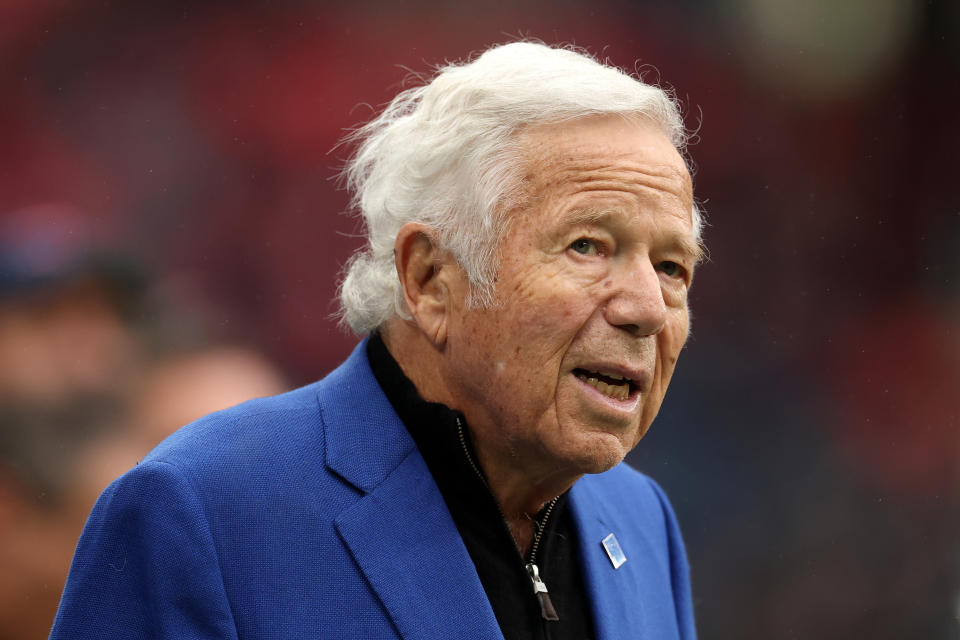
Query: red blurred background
[(188, 151)]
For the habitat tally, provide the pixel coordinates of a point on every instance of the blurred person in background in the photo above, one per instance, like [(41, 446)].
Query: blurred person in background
[(55, 460), (532, 237), (69, 348), (89, 383)]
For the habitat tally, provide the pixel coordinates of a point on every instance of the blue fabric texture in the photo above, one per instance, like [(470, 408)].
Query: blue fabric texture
[(313, 515)]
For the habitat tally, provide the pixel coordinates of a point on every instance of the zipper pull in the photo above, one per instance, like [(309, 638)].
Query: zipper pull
[(540, 589)]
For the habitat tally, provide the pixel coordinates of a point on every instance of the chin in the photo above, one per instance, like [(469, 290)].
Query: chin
[(602, 452), (600, 466)]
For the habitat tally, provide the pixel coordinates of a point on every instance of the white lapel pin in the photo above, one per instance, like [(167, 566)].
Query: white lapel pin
[(614, 552)]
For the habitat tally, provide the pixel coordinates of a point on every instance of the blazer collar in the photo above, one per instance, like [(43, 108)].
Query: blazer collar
[(365, 440)]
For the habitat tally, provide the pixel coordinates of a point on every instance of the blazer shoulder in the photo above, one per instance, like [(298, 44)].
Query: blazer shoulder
[(284, 437), (287, 420), (632, 498), (625, 485)]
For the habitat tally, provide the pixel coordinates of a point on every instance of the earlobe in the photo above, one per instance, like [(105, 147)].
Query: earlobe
[(420, 266)]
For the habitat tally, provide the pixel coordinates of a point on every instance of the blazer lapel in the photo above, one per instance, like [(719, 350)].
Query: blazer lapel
[(399, 532), (406, 544), (616, 601)]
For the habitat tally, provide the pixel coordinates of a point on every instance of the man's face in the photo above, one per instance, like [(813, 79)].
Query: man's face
[(567, 369)]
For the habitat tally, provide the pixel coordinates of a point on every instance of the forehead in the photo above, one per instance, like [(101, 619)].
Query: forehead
[(631, 156)]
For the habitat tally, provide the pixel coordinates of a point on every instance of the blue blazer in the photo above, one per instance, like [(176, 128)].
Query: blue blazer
[(313, 515)]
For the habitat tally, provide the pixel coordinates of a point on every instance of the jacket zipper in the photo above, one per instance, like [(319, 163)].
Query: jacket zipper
[(547, 610)]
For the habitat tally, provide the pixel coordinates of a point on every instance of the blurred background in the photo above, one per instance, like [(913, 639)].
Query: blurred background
[(171, 234)]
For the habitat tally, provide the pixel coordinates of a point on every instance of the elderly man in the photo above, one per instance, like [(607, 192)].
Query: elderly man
[(532, 239)]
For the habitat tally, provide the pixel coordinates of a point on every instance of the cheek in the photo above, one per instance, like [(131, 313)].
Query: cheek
[(669, 344), (530, 344), (545, 306), (539, 312), (545, 334), (674, 293), (671, 340)]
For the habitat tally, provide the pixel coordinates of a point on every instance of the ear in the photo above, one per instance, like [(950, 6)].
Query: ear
[(426, 273)]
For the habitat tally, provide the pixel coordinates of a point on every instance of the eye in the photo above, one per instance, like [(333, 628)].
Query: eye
[(671, 269), (585, 246)]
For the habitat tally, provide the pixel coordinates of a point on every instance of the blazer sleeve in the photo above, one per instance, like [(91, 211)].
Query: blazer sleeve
[(146, 566), (679, 569)]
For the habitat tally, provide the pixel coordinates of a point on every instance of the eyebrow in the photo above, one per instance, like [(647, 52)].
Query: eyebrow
[(591, 216), (693, 248)]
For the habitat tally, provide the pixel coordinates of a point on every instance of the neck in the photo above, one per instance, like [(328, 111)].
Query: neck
[(520, 489), (521, 496), (520, 519), (519, 508)]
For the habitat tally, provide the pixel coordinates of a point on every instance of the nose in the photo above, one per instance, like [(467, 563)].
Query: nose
[(637, 304)]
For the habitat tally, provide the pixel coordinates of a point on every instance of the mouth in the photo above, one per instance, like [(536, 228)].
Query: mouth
[(612, 385)]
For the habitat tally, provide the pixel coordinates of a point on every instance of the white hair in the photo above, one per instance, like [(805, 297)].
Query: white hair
[(445, 155)]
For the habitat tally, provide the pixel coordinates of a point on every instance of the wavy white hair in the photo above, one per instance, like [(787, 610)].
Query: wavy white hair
[(445, 155)]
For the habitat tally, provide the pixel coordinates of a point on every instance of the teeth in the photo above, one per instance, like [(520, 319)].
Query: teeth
[(619, 391)]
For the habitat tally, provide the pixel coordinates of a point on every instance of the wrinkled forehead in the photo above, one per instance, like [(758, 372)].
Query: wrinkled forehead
[(603, 146)]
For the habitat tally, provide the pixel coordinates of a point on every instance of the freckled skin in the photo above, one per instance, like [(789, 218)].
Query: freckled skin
[(620, 185)]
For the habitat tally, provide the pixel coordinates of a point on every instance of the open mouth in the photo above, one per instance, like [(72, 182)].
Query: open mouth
[(610, 384)]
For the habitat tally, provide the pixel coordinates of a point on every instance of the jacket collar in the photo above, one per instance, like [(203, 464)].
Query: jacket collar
[(365, 439)]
